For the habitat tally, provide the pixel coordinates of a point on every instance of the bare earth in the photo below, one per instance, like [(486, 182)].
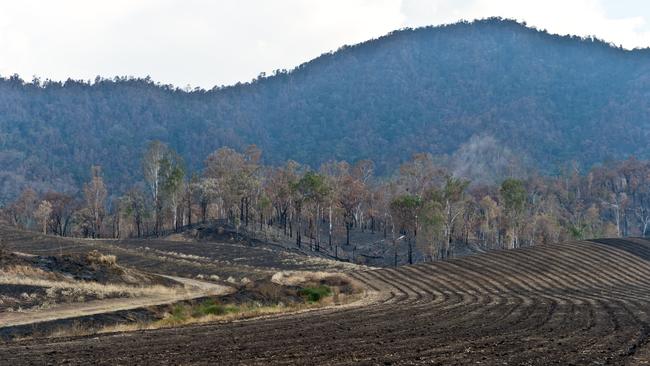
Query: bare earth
[(578, 303)]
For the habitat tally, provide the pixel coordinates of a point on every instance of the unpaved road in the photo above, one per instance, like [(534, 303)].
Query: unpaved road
[(193, 289), (578, 303)]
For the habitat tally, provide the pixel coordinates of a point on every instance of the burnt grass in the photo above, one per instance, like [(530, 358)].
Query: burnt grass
[(23, 296), (368, 247), (88, 267), (83, 267), (238, 259)]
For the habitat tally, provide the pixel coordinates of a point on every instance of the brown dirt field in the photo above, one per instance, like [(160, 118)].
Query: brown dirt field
[(576, 303)]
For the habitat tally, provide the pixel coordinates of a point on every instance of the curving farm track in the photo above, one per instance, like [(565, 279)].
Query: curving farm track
[(581, 303)]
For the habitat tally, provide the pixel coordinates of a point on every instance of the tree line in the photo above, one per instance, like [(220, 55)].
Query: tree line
[(421, 204)]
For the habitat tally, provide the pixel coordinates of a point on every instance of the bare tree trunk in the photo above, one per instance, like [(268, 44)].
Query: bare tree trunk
[(347, 233), (410, 251), (330, 227), (317, 226), (189, 209), (299, 231), (290, 226), (174, 218), (392, 231), (284, 222), (117, 226), (618, 223), (246, 217)]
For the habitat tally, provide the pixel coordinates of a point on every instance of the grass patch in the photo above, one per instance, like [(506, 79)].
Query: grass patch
[(211, 307), (315, 293), (178, 313), (186, 313), (101, 259), (208, 311)]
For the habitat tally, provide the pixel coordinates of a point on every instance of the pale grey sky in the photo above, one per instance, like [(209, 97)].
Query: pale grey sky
[(206, 43)]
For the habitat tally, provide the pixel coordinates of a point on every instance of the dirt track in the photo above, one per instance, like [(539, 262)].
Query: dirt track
[(195, 289), (579, 303)]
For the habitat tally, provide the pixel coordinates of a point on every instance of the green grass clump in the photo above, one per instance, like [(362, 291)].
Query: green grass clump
[(178, 314), (211, 307), (315, 293)]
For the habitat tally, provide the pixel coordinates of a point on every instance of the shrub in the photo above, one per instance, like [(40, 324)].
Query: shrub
[(343, 284), (178, 313), (209, 307), (316, 293), (99, 258), (270, 291)]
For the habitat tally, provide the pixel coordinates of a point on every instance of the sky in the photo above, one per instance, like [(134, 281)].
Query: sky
[(203, 43)]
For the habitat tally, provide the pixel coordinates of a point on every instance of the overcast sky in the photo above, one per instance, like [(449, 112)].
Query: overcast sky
[(207, 43)]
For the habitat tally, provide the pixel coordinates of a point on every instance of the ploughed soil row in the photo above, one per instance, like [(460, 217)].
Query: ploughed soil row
[(579, 303)]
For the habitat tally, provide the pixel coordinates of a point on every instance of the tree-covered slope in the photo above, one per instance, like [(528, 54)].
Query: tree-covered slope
[(546, 98)]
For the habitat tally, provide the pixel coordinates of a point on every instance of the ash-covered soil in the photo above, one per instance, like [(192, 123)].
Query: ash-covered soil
[(577, 303), (92, 266)]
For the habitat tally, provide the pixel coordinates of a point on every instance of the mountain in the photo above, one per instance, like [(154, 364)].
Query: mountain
[(543, 98)]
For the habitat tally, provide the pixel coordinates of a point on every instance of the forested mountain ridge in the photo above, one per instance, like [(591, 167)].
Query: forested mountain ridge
[(546, 98)]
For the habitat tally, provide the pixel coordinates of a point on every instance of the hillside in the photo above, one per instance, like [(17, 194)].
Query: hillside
[(542, 98)]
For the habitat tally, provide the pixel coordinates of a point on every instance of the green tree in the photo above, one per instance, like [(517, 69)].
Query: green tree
[(133, 205), (152, 171), (313, 188), (172, 172), (406, 209), (513, 194), (95, 194)]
